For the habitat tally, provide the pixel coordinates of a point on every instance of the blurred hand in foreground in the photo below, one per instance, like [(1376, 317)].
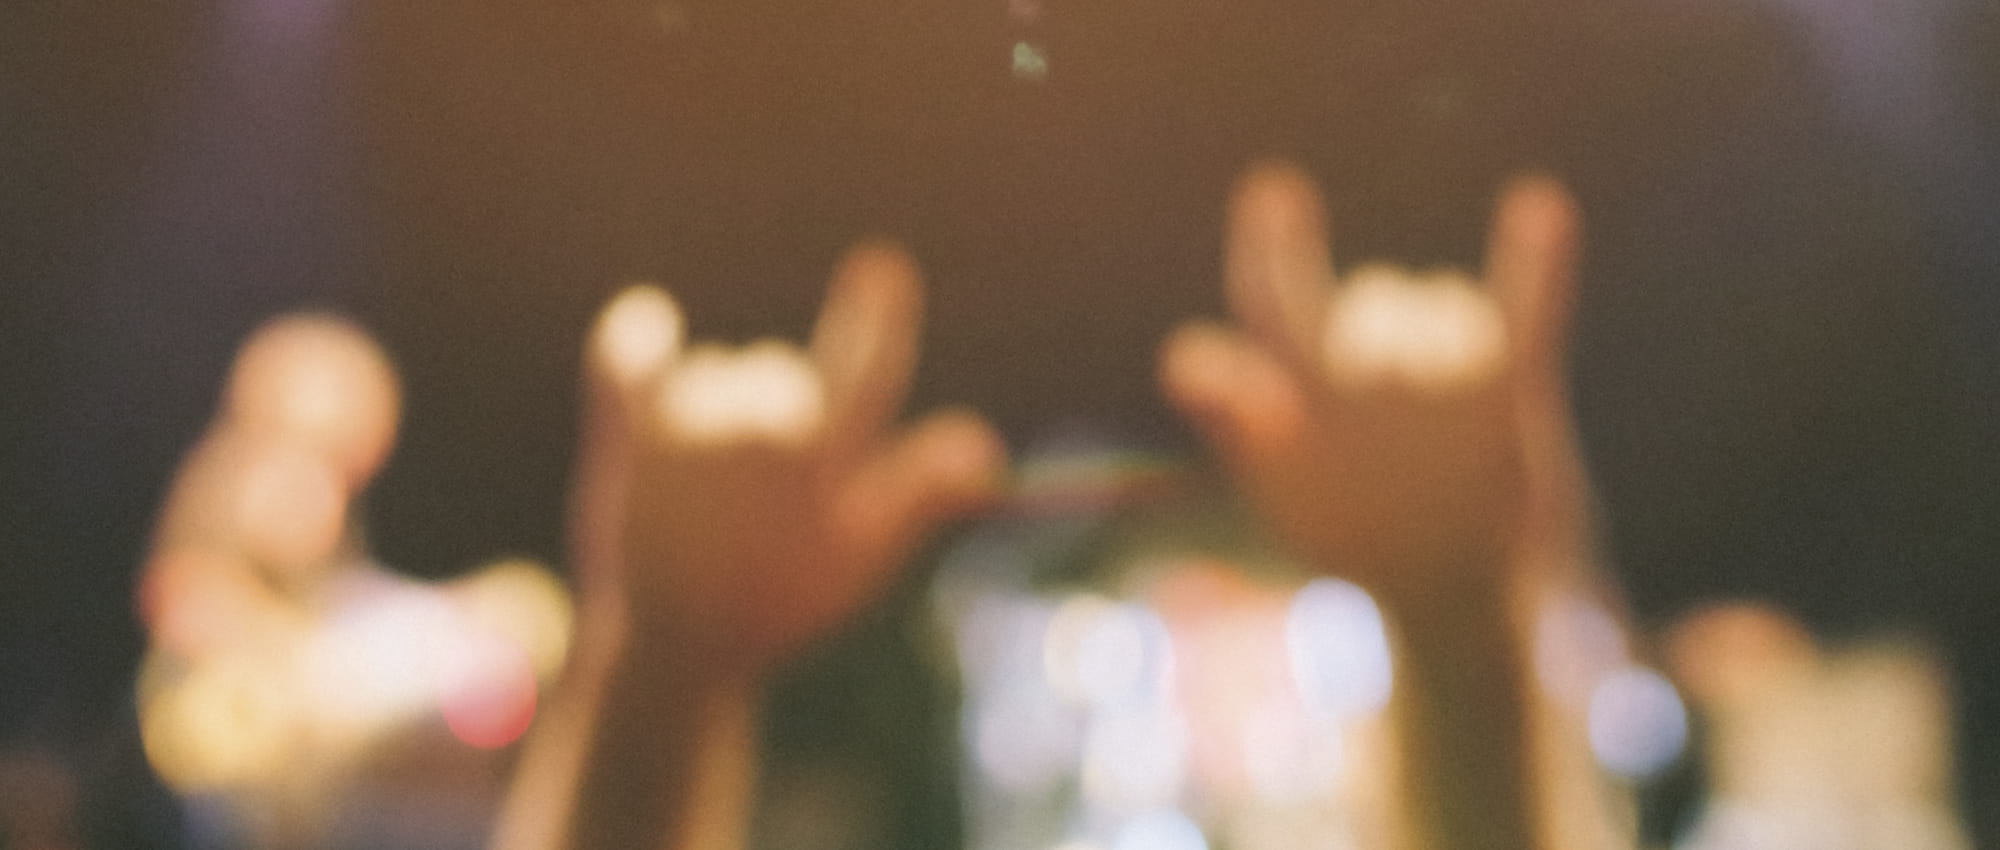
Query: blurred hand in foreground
[(730, 505), (1397, 427), (1411, 432), (734, 503), (258, 513)]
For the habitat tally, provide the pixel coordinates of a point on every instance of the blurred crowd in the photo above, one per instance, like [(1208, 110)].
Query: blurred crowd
[(1780, 369)]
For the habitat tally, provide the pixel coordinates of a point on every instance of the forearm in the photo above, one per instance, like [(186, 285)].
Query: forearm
[(1461, 714), (638, 750)]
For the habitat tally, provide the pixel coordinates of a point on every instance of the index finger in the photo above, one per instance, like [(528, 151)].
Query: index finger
[(1279, 274)]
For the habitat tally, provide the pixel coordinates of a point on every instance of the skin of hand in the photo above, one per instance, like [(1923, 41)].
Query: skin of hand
[(1442, 491), (259, 510), (716, 531), (1378, 476), (739, 542)]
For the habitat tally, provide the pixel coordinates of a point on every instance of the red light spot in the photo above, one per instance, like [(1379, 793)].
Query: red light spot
[(489, 698)]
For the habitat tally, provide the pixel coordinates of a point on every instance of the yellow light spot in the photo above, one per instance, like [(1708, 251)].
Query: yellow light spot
[(525, 602), (1435, 332), (222, 724), (768, 391)]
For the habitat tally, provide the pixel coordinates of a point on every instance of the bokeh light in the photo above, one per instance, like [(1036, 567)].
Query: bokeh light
[(1339, 648), (1166, 829), (1434, 331), (487, 690), (767, 390), (226, 724), (1638, 726)]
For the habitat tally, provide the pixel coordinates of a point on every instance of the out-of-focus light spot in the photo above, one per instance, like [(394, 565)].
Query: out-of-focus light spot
[(1577, 642), (488, 691), (376, 660), (1063, 644), (767, 391), (1135, 758), (1434, 332), (1097, 651), (1288, 757), (641, 327), (1165, 829), (1339, 648), (1020, 735), (225, 723), (1001, 640), (1638, 725), (1022, 740), (1894, 698), (1078, 844), (525, 602), (1110, 655), (1031, 62)]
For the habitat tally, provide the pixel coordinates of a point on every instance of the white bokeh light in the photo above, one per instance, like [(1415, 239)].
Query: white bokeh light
[(1164, 829), (1339, 648), (1638, 726)]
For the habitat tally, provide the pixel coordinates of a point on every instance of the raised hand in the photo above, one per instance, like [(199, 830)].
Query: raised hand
[(1409, 431), (1388, 424), (730, 505)]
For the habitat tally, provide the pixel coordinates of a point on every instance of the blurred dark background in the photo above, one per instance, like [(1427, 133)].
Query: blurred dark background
[(1786, 365)]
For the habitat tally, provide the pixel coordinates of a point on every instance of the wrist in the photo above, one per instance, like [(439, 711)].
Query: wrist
[(615, 643), (1461, 710), (669, 751)]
